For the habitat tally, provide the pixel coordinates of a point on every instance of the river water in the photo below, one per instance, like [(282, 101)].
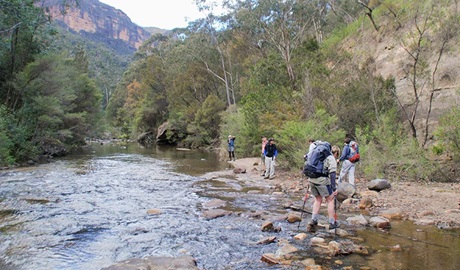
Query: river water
[(89, 211)]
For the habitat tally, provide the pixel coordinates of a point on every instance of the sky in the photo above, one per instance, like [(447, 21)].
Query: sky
[(165, 14)]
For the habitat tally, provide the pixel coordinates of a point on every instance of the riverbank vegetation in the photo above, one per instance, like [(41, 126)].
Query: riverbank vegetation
[(291, 70)]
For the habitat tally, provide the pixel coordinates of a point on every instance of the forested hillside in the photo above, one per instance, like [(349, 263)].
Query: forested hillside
[(382, 71), (49, 104)]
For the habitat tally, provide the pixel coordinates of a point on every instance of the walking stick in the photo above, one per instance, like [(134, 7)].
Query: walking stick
[(335, 215), (305, 198)]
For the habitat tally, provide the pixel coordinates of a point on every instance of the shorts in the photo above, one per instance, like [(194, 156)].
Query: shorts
[(231, 149), (320, 190)]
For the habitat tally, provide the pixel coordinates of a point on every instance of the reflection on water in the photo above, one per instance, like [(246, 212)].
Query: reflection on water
[(89, 211), (423, 247)]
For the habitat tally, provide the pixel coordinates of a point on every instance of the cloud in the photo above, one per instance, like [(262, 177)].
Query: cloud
[(166, 14)]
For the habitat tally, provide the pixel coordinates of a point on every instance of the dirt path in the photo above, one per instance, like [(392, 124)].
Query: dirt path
[(425, 203)]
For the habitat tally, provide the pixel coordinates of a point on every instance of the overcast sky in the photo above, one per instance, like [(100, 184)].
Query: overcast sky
[(165, 14)]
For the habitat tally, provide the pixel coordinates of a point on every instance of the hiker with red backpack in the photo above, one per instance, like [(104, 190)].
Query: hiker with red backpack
[(350, 155)]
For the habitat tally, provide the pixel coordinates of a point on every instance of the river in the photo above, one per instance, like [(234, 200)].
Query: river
[(90, 210)]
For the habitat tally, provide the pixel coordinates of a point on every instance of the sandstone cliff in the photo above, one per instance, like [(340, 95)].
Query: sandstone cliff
[(98, 21)]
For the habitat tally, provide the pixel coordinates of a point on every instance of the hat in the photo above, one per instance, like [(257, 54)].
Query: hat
[(229, 136)]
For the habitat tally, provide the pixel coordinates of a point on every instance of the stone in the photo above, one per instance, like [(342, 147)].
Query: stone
[(239, 170), (267, 226), (285, 250), (379, 184), (358, 220), (300, 236), (216, 203), (293, 218), (153, 211), (266, 240), (317, 240), (425, 222), (365, 202), (392, 214), (270, 258), (345, 190), (369, 193), (215, 213), (379, 222)]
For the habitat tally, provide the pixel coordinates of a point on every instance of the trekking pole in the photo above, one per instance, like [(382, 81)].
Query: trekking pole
[(305, 198), (335, 215)]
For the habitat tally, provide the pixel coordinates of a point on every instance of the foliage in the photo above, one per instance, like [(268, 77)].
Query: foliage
[(293, 137), (447, 144)]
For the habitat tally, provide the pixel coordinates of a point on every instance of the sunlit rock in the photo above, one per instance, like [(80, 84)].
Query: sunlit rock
[(379, 222), (266, 240), (358, 220), (216, 203), (293, 218), (153, 211), (215, 213), (300, 236), (392, 214)]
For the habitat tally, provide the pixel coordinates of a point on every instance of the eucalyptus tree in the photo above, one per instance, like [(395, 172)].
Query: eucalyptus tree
[(20, 22)]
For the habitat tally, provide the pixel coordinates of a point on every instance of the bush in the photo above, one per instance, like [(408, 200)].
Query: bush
[(292, 140)]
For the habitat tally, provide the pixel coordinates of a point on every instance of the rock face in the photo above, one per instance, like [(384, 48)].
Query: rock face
[(98, 21)]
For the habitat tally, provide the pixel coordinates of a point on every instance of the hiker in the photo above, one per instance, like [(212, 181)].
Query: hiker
[(324, 186), (270, 153), (262, 161), (231, 147), (348, 163)]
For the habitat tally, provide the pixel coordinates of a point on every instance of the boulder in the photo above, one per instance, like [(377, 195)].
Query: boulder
[(293, 218), (379, 184), (216, 203), (380, 222), (345, 190), (365, 202), (392, 214), (358, 220), (215, 213), (167, 134), (239, 170)]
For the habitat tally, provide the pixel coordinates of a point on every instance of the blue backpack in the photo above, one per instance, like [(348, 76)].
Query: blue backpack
[(314, 166)]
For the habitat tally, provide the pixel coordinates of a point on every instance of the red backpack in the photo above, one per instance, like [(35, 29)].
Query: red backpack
[(354, 152)]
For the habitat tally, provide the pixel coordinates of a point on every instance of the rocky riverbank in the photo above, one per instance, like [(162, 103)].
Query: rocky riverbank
[(435, 204)]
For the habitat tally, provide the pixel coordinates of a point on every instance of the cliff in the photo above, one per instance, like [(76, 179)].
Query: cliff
[(98, 22)]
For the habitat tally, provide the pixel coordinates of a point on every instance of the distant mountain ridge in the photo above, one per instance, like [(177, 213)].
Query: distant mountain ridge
[(99, 22)]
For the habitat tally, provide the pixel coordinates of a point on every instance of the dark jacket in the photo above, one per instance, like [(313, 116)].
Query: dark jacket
[(270, 150)]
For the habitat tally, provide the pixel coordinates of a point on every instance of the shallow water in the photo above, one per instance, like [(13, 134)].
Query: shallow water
[(89, 211)]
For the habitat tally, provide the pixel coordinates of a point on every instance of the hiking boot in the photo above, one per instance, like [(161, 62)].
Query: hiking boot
[(333, 225), (313, 222), (311, 225)]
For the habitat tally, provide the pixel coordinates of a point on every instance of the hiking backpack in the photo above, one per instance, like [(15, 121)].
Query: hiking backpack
[(314, 166), (354, 152)]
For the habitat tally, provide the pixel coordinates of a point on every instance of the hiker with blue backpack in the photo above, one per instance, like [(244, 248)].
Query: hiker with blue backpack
[(350, 155), (321, 169)]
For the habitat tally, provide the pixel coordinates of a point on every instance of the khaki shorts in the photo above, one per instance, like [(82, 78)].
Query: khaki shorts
[(320, 190)]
